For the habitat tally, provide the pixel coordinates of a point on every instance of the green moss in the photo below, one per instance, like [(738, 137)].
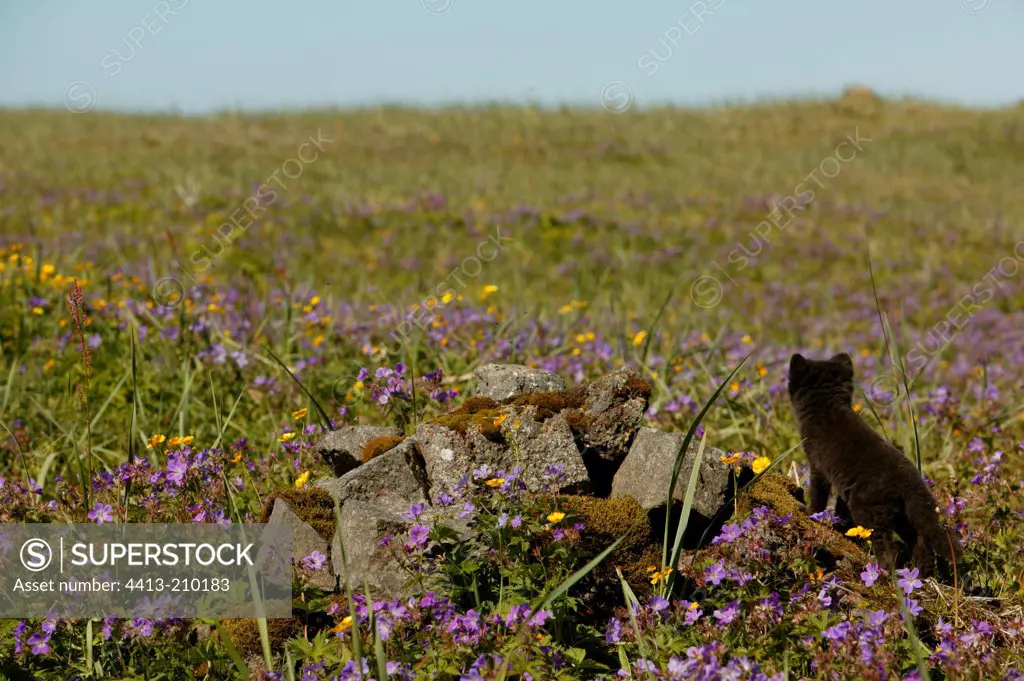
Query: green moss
[(313, 505), (606, 520), (245, 635), (634, 387), (380, 445), (779, 493), (549, 403)]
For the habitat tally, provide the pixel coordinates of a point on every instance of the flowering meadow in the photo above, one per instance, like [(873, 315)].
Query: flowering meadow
[(188, 304)]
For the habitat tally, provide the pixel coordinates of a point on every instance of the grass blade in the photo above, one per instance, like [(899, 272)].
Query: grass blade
[(681, 454), (684, 518)]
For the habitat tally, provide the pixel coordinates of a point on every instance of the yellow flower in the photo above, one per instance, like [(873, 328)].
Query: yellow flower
[(213, 307), (302, 479), (487, 291), (859, 532), (864, 352), (155, 440), (237, 457), (37, 310), (49, 364), (734, 386), (314, 301), (343, 625), (500, 419), (180, 440), (358, 386), (284, 437), (318, 341), (746, 340), (731, 459), (857, 407), (556, 517), (660, 575), (300, 414), (762, 371), (760, 463), (447, 297), (495, 482), (639, 337), (692, 606)]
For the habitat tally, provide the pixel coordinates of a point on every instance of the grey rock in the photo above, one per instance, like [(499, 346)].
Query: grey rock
[(607, 391), (501, 381), (535, 446), (395, 479), (446, 456), (342, 449), (646, 472), (369, 565), (305, 540), (610, 432)]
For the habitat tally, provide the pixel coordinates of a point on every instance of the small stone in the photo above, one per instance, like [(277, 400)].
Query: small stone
[(369, 564), (502, 381), (342, 449), (305, 540), (540, 446), (446, 456), (395, 479), (647, 471)]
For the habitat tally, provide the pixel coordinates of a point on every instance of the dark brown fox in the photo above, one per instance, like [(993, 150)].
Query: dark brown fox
[(876, 485)]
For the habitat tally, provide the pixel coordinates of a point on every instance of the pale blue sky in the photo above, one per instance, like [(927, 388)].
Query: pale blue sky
[(202, 55)]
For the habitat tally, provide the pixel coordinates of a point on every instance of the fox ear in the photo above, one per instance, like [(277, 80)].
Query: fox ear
[(797, 364), (844, 361)]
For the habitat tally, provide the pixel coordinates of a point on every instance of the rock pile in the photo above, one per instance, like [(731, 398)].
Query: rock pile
[(591, 434)]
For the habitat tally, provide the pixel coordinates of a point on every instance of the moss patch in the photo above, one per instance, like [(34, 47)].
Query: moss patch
[(313, 505), (380, 445), (549, 403), (477, 413), (634, 387), (606, 520), (245, 635), (779, 493)]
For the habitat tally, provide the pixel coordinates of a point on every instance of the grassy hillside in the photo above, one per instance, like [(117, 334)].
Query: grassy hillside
[(676, 241)]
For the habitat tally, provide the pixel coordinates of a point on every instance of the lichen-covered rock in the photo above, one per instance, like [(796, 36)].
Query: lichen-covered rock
[(501, 381), (540, 447), (617, 387), (369, 564), (305, 540), (647, 470), (446, 456), (342, 449), (513, 437), (395, 479)]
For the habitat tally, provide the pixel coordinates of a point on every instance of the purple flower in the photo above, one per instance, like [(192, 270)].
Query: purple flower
[(614, 632), (538, 618), (102, 513), (825, 516), (908, 580), (913, 606), (657, 604), (870, 574), (414, 511), (39, 643), (516, 522), (418, 535), (837, 633), (729, 534), (716, 573), (729, 613), (314, 561)]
